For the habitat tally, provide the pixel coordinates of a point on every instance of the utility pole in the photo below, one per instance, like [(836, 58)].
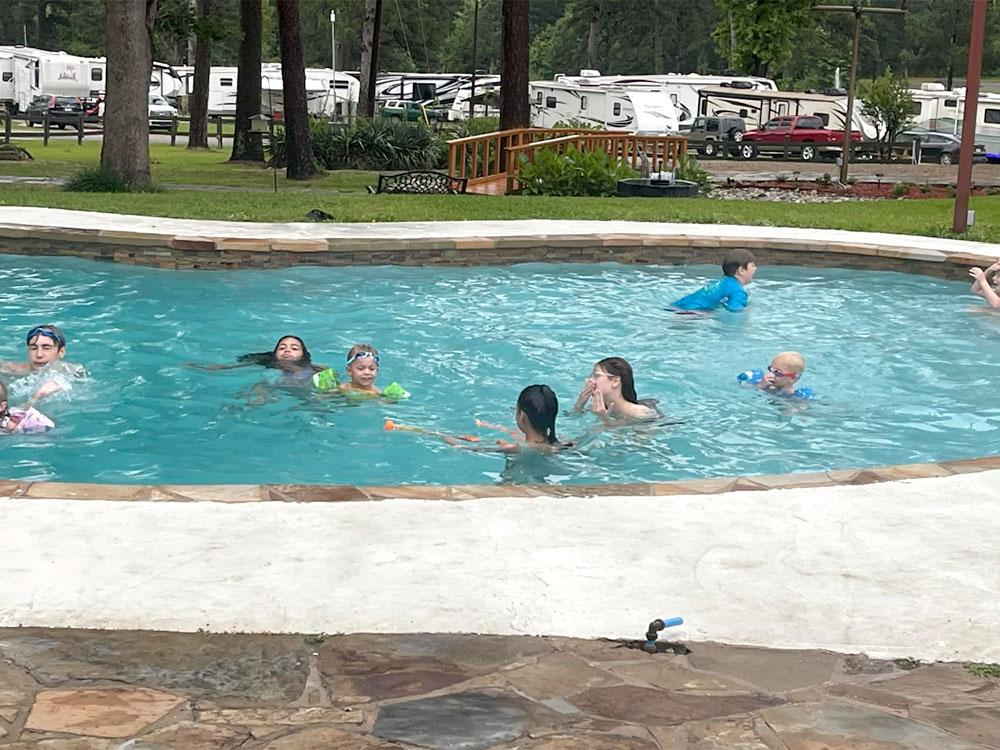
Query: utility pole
[(964, 186), (475, 43), (858, 10)]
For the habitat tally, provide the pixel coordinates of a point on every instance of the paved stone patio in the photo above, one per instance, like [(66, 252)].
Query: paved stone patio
[(119, 690)]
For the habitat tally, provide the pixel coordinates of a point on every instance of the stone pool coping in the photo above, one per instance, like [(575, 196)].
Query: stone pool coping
[(193, 244)]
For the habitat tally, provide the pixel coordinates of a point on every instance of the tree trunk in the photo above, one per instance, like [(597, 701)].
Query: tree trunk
[(371, 31), (125, 148), (198, 133), (594, 33), (514, 105), (298, 151), (248, 146)]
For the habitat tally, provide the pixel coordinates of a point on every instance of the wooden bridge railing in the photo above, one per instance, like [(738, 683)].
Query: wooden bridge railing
[(492, 157), (483, 158)]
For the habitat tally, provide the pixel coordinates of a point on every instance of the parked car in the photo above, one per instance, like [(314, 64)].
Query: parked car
[(707, 132), (413, 111), (61, 110), (161, 112), (801, 135), (941, 147)]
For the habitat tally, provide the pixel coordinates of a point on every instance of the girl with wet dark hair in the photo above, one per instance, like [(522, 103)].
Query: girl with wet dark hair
[(290, 355), (610, 389)]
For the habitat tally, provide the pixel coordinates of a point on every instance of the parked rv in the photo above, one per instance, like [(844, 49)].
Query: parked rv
[(322, 90), (757, 107), (638, 108), (682, 88), (941, 110), (27, 72)]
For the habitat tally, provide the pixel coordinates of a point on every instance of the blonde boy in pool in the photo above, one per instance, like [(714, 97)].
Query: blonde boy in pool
[(780, 377)]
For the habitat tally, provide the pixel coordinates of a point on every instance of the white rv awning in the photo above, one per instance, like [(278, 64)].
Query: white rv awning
[(654, 112)]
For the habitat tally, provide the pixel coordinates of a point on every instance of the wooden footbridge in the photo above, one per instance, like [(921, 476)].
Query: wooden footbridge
[(492, 162)]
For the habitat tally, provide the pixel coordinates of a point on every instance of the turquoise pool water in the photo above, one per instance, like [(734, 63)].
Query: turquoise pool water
[(903, 368)]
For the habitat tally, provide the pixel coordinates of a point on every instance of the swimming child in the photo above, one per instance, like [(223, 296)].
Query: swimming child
[(361, 370), (21, 420), (610, 389), (781, 376), (986, 284), (46, 346), (290, 355), (738, 268), (535, 414)]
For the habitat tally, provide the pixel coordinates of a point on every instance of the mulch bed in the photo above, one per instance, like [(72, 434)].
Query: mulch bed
[(864, 189)]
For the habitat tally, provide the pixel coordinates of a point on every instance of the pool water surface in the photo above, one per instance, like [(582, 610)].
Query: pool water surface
[(902, 365)]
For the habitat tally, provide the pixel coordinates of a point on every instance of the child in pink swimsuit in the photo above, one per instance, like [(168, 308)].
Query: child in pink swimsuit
[(21, 420)]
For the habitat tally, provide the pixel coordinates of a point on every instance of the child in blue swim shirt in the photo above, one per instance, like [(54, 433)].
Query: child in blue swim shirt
[(738, 268), (780, 377)]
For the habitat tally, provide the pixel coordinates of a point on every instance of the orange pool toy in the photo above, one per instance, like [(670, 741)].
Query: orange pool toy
[(390, 425)]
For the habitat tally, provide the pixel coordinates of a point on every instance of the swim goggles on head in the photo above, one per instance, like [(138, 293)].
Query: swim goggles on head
[(48, 333), (363, 355), (781, 373)]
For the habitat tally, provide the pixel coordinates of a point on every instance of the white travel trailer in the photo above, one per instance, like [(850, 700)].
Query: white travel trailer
[(438, 88), (26, 72), (636, 108), (937, 108), (319, 90), (757, 107), (485, 104), (683, 88), (162, 82)]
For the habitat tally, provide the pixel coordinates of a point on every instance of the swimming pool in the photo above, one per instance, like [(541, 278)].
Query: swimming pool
[(901, 366)]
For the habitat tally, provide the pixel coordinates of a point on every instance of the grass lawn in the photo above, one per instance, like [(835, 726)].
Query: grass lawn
[(923, 217), (343, 195), (172, 165)]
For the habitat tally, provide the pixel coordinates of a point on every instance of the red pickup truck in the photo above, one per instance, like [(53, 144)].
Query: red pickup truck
[(802, 135)]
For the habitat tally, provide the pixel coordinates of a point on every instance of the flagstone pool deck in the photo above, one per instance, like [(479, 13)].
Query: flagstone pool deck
[(100, 690), (896, 563)]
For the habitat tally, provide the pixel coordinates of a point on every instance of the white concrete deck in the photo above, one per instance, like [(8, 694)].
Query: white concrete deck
[(908, 568), (26, 217)]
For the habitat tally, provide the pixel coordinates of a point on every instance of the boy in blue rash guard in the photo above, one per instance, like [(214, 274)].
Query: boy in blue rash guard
[(738, 268), (781, 376)]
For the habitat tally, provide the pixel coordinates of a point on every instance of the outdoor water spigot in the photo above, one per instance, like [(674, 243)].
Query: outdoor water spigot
[(655, 627)]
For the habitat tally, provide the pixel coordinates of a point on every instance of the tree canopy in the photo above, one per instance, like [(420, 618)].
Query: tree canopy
[(655, 36)]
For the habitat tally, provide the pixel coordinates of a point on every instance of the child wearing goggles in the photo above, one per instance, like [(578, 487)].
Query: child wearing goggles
[(780, 377), (46, 346), (361, 371)]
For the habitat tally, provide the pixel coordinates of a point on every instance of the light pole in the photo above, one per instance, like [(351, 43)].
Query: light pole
[(857, 10), (333, 59), (475, 39)]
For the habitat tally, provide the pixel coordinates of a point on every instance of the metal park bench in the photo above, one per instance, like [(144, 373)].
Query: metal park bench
[(421, 182)]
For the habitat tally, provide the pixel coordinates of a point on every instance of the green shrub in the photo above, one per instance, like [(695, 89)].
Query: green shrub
[(572, 173), (379, 144), (477, 126), (900, 189), (689, 169), (100, 180)]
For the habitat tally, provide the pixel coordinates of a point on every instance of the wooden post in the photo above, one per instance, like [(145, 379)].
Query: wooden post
[(45, 129), (173, 130), (218, 130), (972, 77), (79, 130), (6, 126)]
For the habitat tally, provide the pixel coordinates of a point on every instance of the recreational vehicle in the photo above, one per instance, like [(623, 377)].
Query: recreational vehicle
[(26, 72), (757, 107), (635, 108), (941, 110), (682, 88), (163, 81), (319, 92), (440, 88)]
